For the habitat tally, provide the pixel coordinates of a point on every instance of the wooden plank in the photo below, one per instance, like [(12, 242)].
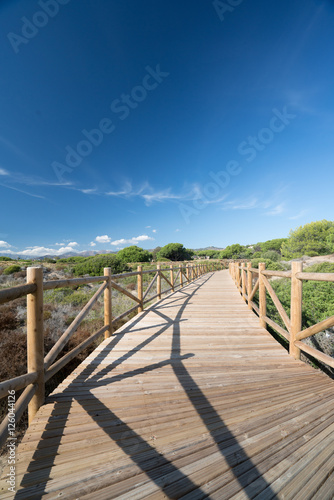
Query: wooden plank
[(190, 399)]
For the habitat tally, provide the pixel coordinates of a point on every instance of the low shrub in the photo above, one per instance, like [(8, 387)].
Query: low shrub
[(94, 265), (12, 269)]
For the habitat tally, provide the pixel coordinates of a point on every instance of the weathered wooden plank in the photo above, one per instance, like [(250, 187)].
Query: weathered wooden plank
[(190, 399)]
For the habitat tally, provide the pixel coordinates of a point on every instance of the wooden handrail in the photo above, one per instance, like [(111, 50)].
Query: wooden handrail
[(17, 383), (9, 294), (293, 334), (41, 369)]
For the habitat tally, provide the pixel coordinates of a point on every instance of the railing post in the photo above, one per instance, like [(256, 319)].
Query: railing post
[(108, 304), (262, 296), (243, 281), (188, 272), (159, 282), (249, 283), (140, 288), (172, 276), (181, 276), (296, 307), (35, 338)]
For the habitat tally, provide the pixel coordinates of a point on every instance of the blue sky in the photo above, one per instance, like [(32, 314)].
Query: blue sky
[(126, 122)]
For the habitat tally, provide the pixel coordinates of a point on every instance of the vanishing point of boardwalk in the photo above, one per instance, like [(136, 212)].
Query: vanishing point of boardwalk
[(191, 399)]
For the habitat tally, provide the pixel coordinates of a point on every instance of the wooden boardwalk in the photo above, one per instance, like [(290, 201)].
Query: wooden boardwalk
[(191, 399)]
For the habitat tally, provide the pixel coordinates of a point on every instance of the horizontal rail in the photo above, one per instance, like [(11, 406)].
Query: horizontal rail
[(20, 406), (17, 383), (51, 285), (281, 274), (58, 365), (277, 327), (124, 275), (316, 276), (8, 294), (320, 356), (53, 353)]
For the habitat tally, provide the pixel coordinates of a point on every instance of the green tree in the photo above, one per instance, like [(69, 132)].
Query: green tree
[(134, 254), (235, 251), (94, 265), (175, 252), (275, 245), (155, 253), (312, 239), (213, 254)]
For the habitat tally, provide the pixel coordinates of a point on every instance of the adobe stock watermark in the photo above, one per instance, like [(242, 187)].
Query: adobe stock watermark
[(222, 7), (122, 108), (30, 27), (250, 148), (11, 443)]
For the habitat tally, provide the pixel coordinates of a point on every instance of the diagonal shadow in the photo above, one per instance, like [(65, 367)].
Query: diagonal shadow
[(45, 474), (201, 404), (156, 466)]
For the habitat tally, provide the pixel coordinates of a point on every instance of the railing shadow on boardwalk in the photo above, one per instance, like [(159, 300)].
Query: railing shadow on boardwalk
[(155, 465)]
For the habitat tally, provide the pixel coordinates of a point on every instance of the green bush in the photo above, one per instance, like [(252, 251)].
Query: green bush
[(273, 266), (94, 265), (5, 259), (73, 259), (271, 255), (12, 269), (68, 296)]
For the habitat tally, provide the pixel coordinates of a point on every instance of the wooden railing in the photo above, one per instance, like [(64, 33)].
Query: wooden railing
[(250, 280), (41, 368)]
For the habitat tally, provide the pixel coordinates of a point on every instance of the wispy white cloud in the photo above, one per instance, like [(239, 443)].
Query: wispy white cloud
[(154, 230), (73, 244), (273, 205), (277, 210), (132, 241), (298, 215), (92, 244), (241, 205), (3, 171), (22, 191)]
